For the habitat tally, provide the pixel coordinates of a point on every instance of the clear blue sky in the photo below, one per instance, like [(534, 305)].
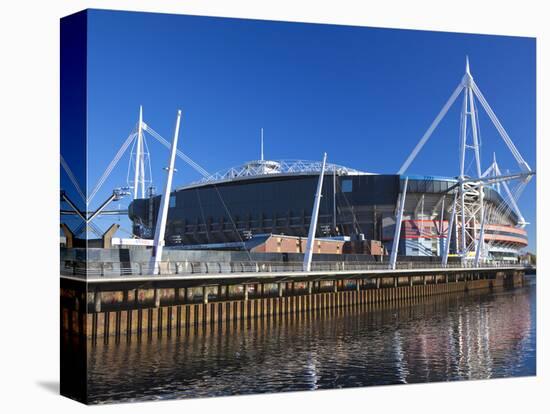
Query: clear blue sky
[(363, 95)]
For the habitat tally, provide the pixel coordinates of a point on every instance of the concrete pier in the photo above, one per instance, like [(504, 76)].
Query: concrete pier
[(174, 307)]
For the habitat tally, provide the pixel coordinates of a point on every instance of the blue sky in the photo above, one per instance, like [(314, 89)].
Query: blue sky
[(363, 95)]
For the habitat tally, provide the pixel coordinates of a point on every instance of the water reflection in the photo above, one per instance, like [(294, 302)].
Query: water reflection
[(444, 338)]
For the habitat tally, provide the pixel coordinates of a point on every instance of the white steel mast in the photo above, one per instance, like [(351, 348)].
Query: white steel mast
[(471, 193), (470, 207), (139, 170), (334, 224), (164, 203), (262, 144), (314, 216), (445, 255), (481, 242), (398, 221)]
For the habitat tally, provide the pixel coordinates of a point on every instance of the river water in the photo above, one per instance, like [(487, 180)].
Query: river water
[(477, 335)]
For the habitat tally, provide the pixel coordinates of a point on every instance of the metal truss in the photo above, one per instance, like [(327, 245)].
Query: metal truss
[(469, 213), (470, 206), (470, 89), (140, 163), (138, 177), (266, 167), (87, 217)]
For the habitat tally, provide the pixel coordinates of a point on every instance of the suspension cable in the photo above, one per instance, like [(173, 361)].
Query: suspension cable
[(179, 153), (112, 165), (131, 163), (233, 223), (72, 178), (148, 160)]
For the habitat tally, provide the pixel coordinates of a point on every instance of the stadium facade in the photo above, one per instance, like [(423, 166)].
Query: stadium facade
[(276, 197)]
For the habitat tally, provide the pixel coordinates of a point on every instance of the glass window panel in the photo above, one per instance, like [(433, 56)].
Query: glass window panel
[(347, 186)]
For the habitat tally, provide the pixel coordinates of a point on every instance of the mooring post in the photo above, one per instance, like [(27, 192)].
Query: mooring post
[(280, 289), (377, 283), (97, 301), (204, 295), (357, 285), (410, 280), (424, 279), (157, 297), (245, 292), (309, 287), (335, 286)]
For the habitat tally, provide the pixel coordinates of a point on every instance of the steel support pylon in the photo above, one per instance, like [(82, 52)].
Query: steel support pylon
[(470, 201)]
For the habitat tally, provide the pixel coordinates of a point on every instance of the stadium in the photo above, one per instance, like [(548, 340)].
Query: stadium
[(276, 197), (471, 217)]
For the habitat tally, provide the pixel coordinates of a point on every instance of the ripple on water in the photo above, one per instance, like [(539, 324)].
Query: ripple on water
[(445, 338)]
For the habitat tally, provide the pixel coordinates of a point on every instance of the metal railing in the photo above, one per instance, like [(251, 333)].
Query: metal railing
[(191, 267)]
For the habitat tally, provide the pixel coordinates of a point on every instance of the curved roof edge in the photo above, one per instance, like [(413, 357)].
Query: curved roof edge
[(280, 168)]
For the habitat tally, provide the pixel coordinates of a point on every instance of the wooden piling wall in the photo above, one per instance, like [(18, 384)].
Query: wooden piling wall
[(172, 318)]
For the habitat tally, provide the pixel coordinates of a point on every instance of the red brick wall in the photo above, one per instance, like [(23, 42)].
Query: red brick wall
[(286, 244)]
